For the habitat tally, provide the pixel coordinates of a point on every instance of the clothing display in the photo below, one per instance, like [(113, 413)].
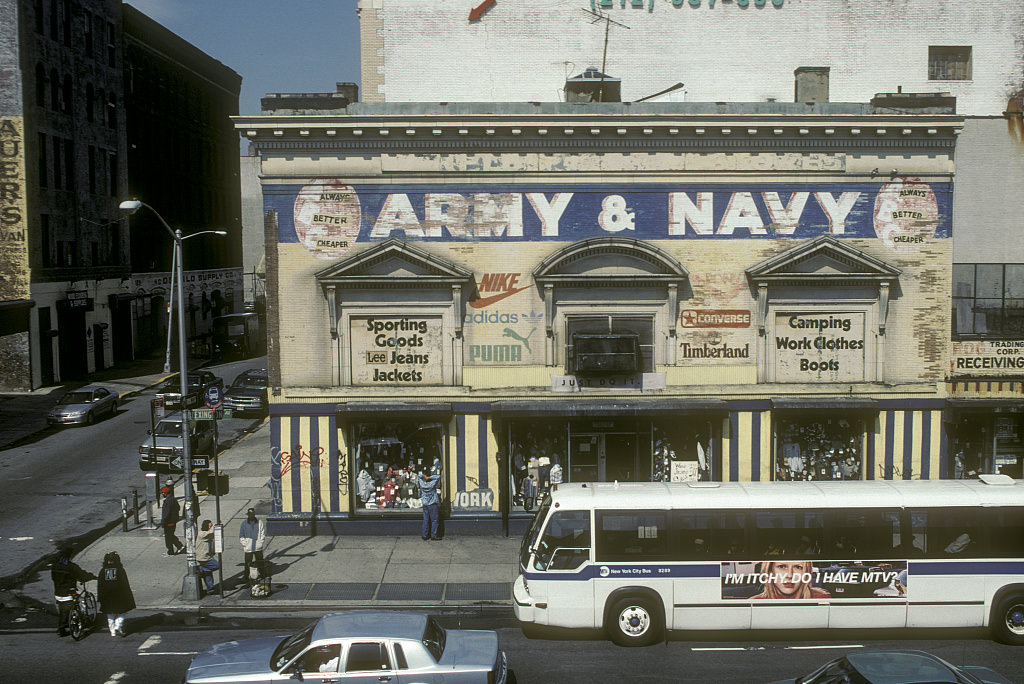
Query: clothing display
[(818, 449), (388, 458)]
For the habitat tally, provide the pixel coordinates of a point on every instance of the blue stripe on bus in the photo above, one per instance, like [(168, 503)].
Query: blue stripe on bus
[(630, 571), (966, 568)]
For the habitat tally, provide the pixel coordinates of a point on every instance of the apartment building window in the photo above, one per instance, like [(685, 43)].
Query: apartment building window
[(115, 243), (54, 16), (112, 159), (54, 90), (43, 164), (40, 85), (949, 63), (112, 111), (92, 170), (87, 34), (69, 164), (58, 173), (67, 99), (90, 102), (37, 8), (65, 22), (94, 253), (111, 45), (988, 301), (45, 240)]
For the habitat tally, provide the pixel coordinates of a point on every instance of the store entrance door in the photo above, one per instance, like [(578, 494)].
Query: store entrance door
[(619, 458), (604, 457)]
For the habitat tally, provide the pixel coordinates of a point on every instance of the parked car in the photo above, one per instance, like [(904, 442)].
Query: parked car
[(83, 406), (248, 393), (896, 667), (360, 646), (164, 448), (170, 389)]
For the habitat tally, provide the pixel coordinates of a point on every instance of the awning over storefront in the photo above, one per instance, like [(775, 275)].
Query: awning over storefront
[(824, 404), (997, 405), (587, 409), (389, 410)]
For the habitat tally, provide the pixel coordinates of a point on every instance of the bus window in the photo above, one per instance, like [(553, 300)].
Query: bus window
[(863, 533), (1005, 527), (568, 530), (632, 535), (789, 534), (693, 534), (946, 532), (729, 534)]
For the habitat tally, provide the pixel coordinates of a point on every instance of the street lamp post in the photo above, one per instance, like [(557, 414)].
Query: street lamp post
[(190, 583), (174, 270)]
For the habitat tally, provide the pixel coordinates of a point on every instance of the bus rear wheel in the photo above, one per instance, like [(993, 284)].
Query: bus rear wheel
[(635, 621), (1008, 621)]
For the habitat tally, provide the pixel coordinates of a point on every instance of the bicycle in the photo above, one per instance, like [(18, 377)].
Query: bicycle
[(82, 615)]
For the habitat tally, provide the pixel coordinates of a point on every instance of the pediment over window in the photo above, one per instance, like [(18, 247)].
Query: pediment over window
[(610, 261), (824, 261), (393, 263)]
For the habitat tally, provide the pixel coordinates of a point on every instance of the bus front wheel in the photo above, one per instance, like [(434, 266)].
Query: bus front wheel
[(635, 621), (1008, 622)]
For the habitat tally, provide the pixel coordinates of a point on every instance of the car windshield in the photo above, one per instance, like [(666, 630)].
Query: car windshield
[(433, 639), (250, 382), (167, 428), (291, 647), (76, 398)]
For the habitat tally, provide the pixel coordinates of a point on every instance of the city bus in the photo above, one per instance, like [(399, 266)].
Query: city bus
[(637, 559)]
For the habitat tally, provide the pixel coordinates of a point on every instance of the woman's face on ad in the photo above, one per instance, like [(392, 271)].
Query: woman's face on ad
[(788, 574)]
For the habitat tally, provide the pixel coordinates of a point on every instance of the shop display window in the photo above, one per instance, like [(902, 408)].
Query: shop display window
[(681, 451), (388, 457), (538, 460), (819, 448)]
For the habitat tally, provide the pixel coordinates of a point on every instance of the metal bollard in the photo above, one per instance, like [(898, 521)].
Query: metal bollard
[(135, 504), (124, 514)]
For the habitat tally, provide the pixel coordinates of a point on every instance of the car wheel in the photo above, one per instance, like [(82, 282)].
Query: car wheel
[(113, 408), (1008, 620), (635, 621), (89, 419)]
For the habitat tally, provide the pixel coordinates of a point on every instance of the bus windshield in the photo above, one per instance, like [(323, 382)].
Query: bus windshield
[(530, 538)]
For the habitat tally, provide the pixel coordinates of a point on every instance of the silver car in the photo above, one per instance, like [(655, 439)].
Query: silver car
[(83, 406), (360, 646)]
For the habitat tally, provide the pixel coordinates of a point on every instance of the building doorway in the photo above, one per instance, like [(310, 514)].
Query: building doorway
[(605, 457)]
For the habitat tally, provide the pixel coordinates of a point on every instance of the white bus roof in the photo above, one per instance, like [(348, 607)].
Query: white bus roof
[(993, 490)]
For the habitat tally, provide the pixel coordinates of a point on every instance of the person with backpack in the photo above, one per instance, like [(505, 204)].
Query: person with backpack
[(114, 593)]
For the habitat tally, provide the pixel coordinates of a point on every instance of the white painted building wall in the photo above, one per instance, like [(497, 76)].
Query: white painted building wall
[(523, 50)]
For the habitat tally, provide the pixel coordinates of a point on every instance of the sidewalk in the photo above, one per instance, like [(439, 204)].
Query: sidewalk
[(308, 573)]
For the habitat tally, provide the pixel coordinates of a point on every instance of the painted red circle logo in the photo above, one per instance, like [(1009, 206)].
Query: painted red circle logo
[(326, 218), (906, 214)]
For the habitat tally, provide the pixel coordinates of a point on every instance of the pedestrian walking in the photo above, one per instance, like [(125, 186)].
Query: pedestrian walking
[(114, 593), (66, 575), (206, 559), (170, 514), (253, 535), (431, 504)]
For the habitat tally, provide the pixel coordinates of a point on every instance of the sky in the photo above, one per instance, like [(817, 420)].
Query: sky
[(276, 46)]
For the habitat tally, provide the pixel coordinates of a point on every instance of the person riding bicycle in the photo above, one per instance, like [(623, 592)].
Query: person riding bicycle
[(66, 575)]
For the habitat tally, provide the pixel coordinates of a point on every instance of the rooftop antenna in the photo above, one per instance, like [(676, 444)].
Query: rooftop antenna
[(608, 21)]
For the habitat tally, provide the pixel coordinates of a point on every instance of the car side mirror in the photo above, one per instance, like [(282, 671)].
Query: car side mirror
[(297, 673)]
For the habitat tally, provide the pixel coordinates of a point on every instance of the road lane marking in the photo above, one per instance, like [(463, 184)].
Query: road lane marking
[(168, 653), (765, 648), (808, 648), (151, 641), (116, 677)]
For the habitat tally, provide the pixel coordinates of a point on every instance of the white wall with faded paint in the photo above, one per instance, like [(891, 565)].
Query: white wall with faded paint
[(524, 50)]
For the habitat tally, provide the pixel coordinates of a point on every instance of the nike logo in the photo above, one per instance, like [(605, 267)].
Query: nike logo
[(487, 301)]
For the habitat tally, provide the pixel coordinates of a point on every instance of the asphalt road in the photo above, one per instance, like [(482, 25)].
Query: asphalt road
[(67, 483), (155, 654)]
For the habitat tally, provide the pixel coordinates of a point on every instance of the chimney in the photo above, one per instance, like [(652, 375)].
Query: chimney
[(811, 84), (593, 86)]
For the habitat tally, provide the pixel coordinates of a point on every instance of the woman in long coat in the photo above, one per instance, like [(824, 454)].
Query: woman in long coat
[(115, 594)]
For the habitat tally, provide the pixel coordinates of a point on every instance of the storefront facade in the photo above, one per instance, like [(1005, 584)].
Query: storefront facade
[(519, 295)]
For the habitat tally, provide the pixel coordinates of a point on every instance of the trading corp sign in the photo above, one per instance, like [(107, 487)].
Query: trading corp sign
[(328, 216)]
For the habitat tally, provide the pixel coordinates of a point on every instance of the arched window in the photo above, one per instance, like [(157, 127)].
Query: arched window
[(40, 85), (90, 102)]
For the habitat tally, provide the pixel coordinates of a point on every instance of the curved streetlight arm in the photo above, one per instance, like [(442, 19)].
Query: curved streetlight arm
[(134, 205)]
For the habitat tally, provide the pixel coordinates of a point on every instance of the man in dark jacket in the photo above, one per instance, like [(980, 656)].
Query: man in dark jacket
[(115, 593), (170, 514), (66, 575)]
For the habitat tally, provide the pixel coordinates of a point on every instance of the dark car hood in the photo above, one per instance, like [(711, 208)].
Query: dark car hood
[(234, 658), (470, 649)]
